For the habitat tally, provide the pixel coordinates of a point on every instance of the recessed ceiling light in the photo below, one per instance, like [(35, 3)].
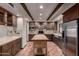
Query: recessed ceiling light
[(41, 14), (41, 6)]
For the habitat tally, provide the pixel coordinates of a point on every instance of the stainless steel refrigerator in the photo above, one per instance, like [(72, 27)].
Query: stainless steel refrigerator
[(70, 38)]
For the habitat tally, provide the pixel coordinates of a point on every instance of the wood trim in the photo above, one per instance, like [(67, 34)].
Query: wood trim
[(78, 37), (71, 14), (26, 9), (58, 6)]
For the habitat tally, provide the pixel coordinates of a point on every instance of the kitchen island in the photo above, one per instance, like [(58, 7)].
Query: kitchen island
[(40, 45), (10, 45)]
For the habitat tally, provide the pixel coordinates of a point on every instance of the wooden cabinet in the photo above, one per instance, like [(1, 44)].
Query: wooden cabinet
[(0, 50), (16, 46), (2, 22), (57, 41), (6, 49), (6, 17), (11, 48), (71, 14), (49, 36), (31, 36), (9, 20)]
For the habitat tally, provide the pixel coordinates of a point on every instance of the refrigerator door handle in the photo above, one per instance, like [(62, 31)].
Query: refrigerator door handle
[(65, 37)]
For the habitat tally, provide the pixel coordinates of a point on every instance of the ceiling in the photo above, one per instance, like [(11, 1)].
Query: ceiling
[(35, 10)]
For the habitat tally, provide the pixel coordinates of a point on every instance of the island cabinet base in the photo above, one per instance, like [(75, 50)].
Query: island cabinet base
[(11, 48)]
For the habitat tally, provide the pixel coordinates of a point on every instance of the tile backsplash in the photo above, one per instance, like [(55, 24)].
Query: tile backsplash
[(6, 31), (3, 30)]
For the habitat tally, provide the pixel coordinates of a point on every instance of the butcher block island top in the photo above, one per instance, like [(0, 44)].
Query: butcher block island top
[(7, 39), (40, 37)]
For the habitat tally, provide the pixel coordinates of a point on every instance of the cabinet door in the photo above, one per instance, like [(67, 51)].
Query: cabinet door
[(6, 49), (0, 50), (71, 14), (16, 46)]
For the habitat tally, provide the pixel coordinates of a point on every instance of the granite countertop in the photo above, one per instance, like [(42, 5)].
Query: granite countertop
[(7, 39), (40, 37), (57, 34), (48, 32)]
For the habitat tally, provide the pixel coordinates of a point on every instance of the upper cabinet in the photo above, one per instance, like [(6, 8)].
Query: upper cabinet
[(71, 14), (32, 26), (7, 18), (2, 22)]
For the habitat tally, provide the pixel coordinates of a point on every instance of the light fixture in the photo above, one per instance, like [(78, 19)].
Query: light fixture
[(41, 6), (40, 18), (41, 14)]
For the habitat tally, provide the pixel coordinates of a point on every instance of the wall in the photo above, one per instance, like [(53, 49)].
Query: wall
[(23, 29), (19, 25), (59, 20), (24, 38)]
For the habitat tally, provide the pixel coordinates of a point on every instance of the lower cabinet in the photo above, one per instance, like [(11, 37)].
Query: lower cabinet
[(31, 36), (49, 36), (0, 50), (16, 46), (57, 41), (11, 48)]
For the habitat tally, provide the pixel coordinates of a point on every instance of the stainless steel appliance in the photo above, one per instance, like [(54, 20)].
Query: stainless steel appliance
[(70, 38)]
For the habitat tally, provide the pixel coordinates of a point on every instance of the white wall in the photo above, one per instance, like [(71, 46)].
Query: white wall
[(23, 29), (59, 20), (19, 24), (24, 34), (27, 31)]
